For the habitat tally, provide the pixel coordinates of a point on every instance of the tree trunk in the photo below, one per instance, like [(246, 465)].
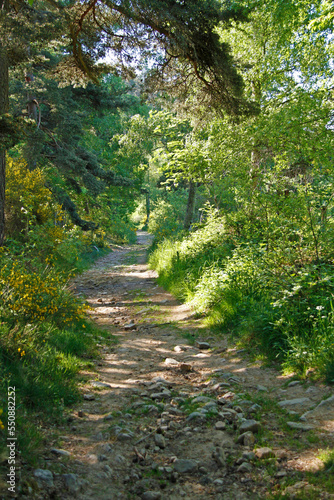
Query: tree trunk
[(148, 207), (190, 206), (4, 107)]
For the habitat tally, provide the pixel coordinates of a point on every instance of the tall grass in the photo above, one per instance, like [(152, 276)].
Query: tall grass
[(46, 338), (273, 302)]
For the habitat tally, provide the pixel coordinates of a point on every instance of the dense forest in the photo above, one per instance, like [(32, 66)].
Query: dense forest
[(207, 123)]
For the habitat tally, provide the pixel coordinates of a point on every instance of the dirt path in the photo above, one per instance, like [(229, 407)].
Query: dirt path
[(174, 412)]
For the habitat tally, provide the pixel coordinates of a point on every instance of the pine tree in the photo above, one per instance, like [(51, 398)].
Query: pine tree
[(177, 37)]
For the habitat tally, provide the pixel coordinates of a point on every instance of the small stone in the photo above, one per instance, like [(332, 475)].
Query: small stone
[(210, 407), (196, 415), (98, 436), (159, 395), (228, 395), (291, 491), (151, 495), (326, 402), (202, 345), (183, 466), (203, 399), (186, 367), (245, 402), (250, 425), (151, 409), (71, 482), (60, 452), (179, 348), (96, 383), (293, 383), (123, 436), (247, 439), (254, 408), (280, 474), (45, 476), (262, 388), (219, 456), (218, 482), (130, 326), (171, 362), (159, 379), (264, 452), (294, 402), (108, 469), (89, 397), (245, 467), (160, 441), (205, 480), (300, 426), (107, 448), (248, 455), (220, 426), (119, 459), (281, 454)]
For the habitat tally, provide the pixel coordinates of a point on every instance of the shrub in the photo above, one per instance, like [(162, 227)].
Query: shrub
[(36, 296), (28, 201), (164, 221), (265, 295)]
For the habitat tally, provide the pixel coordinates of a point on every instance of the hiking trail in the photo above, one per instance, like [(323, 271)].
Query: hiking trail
[(174, 411)]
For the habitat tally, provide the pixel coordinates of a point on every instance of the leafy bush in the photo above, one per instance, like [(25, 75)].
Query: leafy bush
[(165, 220), (180, 263), (28, 201), (28, 295)]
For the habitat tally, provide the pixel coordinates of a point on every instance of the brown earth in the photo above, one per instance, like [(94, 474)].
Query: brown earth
[(126, 441)]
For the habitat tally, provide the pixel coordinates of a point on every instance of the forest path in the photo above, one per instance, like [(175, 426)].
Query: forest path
[(162, 416)]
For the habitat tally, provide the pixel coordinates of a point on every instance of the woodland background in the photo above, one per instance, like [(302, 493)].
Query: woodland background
[(210, 124)]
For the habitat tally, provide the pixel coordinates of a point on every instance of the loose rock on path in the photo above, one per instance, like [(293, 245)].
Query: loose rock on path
[(174, 412)]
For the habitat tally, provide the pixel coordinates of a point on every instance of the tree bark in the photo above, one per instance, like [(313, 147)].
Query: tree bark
[(190, 206), (148, 207), (4, 108)]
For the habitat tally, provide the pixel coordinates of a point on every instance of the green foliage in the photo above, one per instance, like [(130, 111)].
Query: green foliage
[(166, 218), (180, 263), (283, 307), (41, 361)]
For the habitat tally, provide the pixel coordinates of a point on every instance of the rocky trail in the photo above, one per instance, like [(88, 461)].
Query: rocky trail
[(175, 412)]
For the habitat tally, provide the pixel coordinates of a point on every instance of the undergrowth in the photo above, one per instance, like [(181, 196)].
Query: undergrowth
[(265, 296), (45, 336)]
